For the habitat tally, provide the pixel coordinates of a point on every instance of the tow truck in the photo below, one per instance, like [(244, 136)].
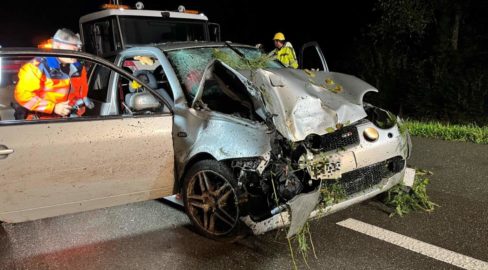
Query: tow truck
[(118, 27)]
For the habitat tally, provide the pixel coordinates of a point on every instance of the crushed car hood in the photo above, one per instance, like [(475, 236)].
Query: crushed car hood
[(301, 102), (305, 102)]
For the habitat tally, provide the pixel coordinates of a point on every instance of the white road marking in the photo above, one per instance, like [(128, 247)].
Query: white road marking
[(409, 243)]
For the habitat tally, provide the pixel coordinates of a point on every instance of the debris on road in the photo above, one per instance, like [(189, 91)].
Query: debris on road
[(405, 199)]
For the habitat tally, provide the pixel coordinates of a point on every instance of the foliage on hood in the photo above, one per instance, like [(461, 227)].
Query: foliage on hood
[(236, 62)]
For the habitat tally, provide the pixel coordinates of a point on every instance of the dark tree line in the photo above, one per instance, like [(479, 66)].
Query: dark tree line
[(428, 58)]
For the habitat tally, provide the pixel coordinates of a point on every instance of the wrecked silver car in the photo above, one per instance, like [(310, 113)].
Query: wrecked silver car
[(264, 141), (244, 140)]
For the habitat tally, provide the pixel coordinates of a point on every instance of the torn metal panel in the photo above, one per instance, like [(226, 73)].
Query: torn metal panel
[(206, 75), (409, 177), (306, 104), (300, 207)]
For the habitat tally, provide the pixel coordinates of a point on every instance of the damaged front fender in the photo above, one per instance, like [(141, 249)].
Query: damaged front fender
[(228, 137), (307, 102)]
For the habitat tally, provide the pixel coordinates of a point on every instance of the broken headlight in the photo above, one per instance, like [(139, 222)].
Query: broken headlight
[(379, 117)]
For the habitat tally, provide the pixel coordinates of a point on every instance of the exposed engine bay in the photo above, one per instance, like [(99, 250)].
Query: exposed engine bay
[(299, 168)]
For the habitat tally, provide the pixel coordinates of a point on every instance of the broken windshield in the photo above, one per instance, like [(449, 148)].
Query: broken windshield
[(190, 63)]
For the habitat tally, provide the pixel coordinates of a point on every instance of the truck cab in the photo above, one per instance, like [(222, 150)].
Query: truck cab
[(106, 32)]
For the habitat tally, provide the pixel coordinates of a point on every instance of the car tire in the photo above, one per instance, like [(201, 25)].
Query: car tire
[(211, 200)]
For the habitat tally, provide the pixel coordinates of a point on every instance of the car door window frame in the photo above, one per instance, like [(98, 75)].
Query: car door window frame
[(174, 83), (319, 51), (115, 73)]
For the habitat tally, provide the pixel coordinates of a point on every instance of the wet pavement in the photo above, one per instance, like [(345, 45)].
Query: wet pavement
[(157, 235)]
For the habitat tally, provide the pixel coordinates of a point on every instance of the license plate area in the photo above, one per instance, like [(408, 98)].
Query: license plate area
[(324, 166)]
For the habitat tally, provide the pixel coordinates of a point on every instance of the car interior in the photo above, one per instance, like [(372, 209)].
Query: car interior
[(149, 72), (7, 111), (8, 79), (225, 93), (98, 85)]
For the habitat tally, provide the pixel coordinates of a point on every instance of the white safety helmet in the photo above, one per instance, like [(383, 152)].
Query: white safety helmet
[(67, 36)]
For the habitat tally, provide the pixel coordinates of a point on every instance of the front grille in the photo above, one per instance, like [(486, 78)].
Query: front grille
[(339, 139), (364, 178)]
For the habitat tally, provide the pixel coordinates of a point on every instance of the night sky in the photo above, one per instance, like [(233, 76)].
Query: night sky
[(336, 26)]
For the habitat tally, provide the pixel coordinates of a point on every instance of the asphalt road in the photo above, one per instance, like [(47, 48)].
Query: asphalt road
[(155, 235)]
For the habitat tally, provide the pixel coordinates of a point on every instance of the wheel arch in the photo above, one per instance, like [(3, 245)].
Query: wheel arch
[(196, 158)]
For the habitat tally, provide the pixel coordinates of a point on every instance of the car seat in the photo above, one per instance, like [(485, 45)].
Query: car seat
[(147, 77), (162, 81)]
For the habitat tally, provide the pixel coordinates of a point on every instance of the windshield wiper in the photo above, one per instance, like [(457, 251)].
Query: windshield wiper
[(227, 43)]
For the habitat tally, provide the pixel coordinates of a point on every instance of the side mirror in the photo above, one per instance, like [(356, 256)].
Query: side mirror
[(144, 101)]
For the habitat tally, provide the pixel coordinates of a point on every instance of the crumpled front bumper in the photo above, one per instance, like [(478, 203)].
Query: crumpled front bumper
[(283, 219), (394, 143)]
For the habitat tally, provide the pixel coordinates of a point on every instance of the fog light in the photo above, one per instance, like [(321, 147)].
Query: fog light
[(371, 134)]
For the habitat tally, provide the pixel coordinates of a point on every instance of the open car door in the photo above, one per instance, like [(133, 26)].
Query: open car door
[(101, 158), (312, 57)]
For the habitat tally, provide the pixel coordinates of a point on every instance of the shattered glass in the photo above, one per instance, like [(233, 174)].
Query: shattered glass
[(190, 63)]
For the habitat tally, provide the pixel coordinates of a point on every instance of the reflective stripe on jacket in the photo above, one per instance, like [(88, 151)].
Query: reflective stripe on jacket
[(286, 55), (42, 84)]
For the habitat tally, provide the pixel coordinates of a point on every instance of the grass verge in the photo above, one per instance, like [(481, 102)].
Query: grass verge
[(448, 132)]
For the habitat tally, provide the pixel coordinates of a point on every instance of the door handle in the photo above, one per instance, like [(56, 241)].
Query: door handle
[(6, 151), (182, 134)]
